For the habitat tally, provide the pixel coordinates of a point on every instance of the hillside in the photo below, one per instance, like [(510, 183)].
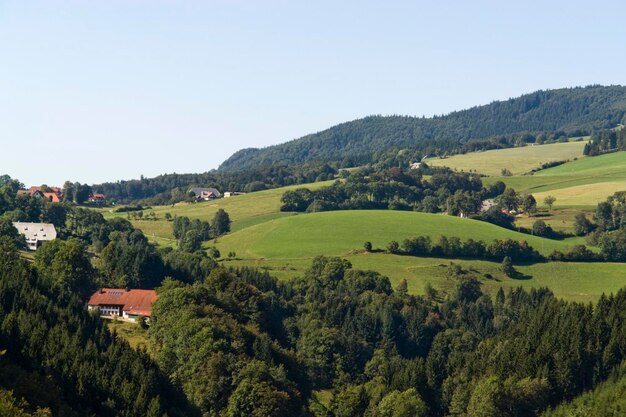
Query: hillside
[(579, 110), (607, 399), (518, 161)]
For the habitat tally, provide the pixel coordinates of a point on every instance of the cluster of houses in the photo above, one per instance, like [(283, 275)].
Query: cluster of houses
[(52, 194), (55, 194)]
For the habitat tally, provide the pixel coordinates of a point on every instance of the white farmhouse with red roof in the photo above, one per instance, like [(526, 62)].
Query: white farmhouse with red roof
[(120, 302)]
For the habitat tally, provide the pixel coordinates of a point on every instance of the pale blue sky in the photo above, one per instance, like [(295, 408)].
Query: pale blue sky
[(98, 91)]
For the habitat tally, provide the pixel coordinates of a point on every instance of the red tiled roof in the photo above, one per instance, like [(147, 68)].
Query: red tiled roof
[(132, 301), (52, 197)]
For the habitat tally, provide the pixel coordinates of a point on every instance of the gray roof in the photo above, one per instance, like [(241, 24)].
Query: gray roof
[(36, 231), (199, 190)]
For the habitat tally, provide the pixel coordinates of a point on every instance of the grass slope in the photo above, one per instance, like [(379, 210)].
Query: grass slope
[(581, 183), (244, 211), (286, 246), (572, 281), (341, 232), (517, 160)]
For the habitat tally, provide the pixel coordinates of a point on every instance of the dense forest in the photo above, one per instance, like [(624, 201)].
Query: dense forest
[(573, 111), (244, 344), (63, 361)]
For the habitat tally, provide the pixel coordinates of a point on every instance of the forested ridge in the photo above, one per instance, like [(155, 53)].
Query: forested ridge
[(62, 360), (575, 111)]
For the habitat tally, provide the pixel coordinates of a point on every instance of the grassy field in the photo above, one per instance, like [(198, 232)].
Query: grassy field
[(572, 281), (244, 211), (517, 160), (131, 332), (560, 219), (341, 232), (582, 183)]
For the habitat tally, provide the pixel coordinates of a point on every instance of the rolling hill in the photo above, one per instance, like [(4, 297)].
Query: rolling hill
[(571, 110)]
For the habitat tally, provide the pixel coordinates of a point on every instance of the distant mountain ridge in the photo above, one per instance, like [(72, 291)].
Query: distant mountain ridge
[(572, 110)]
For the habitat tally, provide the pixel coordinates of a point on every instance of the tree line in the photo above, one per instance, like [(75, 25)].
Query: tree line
[(554, 113)]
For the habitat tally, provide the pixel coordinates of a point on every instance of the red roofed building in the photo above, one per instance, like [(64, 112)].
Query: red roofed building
[(97, 198), (52, 197), (119, 302)]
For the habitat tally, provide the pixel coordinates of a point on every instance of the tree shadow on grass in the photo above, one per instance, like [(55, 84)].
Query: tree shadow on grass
[(516, 275)]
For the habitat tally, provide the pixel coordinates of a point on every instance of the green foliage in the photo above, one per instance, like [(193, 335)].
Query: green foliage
[(11, 406), (582, 225), (507, 267), (59, 357), (549, 201), (540, 228), (221, 223), (605, 141), (354, 143), (608, 399), (402, 404), (66, 264), (528, 204), (129, 260), (191, 233), (172, 188)]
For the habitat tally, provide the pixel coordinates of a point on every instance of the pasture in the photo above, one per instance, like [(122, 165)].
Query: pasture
[(339, 233), (244, 211), (517, 160)]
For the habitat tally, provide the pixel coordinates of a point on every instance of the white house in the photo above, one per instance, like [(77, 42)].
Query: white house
[(36, 233)]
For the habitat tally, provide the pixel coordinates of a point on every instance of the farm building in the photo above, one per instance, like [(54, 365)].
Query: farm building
[(36, 233), (97, 198), (205, 193), (120, 302), (232, 194)]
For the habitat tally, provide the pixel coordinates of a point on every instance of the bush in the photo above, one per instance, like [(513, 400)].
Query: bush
[(393, 247)]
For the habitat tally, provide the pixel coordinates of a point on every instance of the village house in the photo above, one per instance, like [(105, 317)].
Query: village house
[(36, 233), (53, 195), (97, 198), (205, 193), (125, 303)]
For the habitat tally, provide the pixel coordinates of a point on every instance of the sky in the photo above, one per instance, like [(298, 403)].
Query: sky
[(96, 91)]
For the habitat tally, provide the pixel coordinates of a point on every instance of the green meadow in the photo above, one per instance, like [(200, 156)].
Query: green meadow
[(517, 160), (339, 233), (244, 211), (285, 243)]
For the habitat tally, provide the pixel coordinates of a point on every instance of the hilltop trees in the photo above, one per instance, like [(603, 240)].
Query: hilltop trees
[(547, 115)]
